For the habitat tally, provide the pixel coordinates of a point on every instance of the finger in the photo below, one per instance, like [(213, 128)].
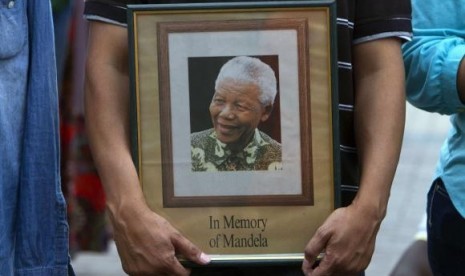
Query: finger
[(325, 267), (316, 245), (189, 250), (306, 268), (176, 268)]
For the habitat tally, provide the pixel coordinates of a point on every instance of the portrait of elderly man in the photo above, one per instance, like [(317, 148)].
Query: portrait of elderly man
[(245, 89)]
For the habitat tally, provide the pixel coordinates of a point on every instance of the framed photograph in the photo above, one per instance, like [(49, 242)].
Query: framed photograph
[(234, 123)]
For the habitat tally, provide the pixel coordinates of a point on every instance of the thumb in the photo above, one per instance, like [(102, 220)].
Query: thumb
[(190, 251)]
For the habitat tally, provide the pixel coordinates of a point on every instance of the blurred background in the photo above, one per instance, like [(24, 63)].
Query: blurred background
[(92, 250)]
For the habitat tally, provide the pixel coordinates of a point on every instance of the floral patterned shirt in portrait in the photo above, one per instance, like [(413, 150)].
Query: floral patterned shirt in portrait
[(210, 154)]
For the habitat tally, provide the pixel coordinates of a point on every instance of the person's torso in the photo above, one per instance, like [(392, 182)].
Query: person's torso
[(357, 21), (443, 19), (33, 222)]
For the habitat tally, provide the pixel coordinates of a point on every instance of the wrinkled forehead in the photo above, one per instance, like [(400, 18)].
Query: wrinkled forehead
[(235, 86)]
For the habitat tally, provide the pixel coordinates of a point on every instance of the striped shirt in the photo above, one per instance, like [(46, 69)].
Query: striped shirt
[(358, 21)]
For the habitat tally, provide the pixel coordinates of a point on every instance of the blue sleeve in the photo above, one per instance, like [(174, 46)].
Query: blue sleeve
[(431, 63)]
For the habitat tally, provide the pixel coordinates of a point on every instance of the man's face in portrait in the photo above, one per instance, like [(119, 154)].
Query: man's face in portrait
[(236, 111)]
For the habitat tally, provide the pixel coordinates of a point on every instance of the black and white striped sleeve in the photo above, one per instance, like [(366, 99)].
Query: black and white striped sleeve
[(382, 19), (110, 11)]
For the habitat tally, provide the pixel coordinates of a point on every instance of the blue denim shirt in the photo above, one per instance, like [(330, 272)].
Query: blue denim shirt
[(33, 226), (432, 60)]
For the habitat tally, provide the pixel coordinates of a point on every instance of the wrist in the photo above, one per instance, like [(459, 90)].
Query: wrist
[(371, 208), (373, 195), (126, 208), (124, 196)]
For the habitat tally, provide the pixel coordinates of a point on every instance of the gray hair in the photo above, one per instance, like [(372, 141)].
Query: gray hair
[(250, 70)]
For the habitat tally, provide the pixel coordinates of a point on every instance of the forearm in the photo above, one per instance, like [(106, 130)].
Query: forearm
[(379, 121), (107, 108), (147, 243)]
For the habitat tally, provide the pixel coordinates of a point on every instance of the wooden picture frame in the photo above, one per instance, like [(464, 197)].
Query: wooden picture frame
[(176, 52)]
